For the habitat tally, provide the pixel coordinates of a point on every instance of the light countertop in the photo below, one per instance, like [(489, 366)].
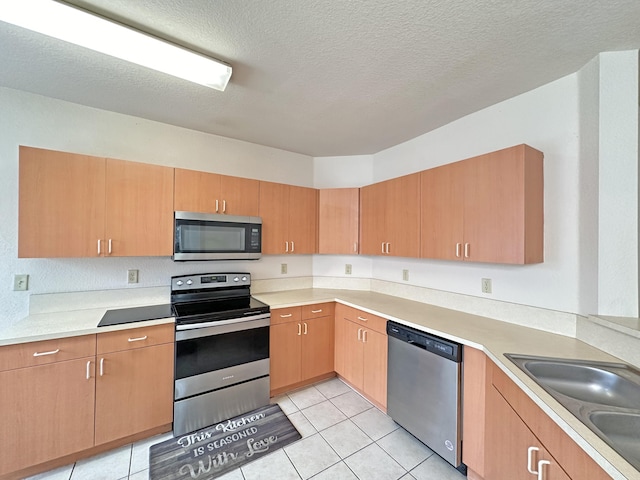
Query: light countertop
[(493, 337)]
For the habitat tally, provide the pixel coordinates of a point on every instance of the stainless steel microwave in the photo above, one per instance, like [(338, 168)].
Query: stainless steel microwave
[(203, 236)]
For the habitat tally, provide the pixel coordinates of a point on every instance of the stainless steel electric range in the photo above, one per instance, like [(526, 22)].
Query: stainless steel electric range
[(222, 349)]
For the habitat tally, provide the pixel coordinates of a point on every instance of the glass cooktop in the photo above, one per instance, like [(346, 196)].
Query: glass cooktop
[(135, 314)]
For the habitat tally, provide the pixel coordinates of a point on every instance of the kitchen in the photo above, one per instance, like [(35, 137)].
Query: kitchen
[(579, 275)]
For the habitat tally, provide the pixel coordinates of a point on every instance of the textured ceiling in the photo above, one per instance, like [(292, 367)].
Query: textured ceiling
[(328, 77)]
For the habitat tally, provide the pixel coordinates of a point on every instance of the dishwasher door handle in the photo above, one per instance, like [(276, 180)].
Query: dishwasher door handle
[(411, 342)]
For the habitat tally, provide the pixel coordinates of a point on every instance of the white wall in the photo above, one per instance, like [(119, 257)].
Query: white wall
[(545, 118), (28, 119)]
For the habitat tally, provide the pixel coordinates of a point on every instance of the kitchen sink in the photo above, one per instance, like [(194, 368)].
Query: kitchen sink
[(604, 396)]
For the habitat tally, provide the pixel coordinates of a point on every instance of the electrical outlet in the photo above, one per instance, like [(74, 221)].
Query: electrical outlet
[(405, 275), (132, 276), (486, 285), (283, 268), (347, 269), (21, 282)]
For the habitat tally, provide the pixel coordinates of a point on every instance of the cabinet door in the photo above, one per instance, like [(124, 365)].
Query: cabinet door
[(240, 196), (274, 210), (317, 347), (196, 191), (285, 342), (134, 391), (353, 354), (61, 204), (46, 412), (403, 216), (508, 441), (338, 220), (139, 206), (303, 220), (503, 206), (442, 212), (373, 226), (375, 366)]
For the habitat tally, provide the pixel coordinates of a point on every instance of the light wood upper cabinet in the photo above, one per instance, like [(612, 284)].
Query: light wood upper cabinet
[(289, 218), (80, 206), (139, 209), (390, 217), (213, 193), (61, 204), (488, 208), (338, 220)]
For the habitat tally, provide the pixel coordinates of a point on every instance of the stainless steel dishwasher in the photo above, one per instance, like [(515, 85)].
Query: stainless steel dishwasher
[(424, 389)]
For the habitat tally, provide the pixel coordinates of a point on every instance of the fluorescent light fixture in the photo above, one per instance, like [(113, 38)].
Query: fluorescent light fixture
[(76, 26)]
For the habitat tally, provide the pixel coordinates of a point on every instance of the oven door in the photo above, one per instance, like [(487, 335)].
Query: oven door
[(218, 356), (200, 236)]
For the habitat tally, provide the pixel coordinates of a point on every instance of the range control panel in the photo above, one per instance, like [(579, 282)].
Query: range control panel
[(210, 280)]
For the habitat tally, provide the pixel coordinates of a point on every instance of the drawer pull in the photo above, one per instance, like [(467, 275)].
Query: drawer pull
[(102, 366), (287, 315), (299, 330), (88, 369), (364, 336), (530, 451), (305, 328), (137, 339), (316, 311), (359, 334), (41, 354), (362, 318)]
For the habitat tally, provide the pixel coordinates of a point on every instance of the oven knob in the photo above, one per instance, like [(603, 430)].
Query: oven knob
[(244, 279), (189, 282), (179, 283), (236, 279)]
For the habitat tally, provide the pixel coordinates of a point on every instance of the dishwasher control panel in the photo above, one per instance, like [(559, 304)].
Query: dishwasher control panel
[(440, 346)]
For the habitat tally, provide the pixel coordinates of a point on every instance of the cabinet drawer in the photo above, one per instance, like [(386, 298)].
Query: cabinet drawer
[(286, 315), (318, 310), (46, 351), (135, 338), (373, 322)]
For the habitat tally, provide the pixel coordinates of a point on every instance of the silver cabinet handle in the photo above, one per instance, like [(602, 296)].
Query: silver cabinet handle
[(139, 339), (217, 205), (224, 206), (98, 246), (305, 328), (388, 246), (530, 451), (293, 246), (362, 318), (286, 248), (109, 247), (364, 336), (541, 465), (466, 250), (316, 311), (286, 316), (102, 366), (382, 247), (359, 334), (299, 330), (41, 354), (458, 246), (88, 369)]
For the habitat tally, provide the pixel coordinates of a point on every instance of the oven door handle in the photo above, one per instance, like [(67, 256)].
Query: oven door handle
[(220, 328), (193, 326)]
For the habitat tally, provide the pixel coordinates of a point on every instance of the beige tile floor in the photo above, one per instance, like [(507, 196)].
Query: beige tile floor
[(344, 437)]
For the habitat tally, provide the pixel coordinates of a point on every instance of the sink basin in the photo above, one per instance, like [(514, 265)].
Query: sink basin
[(605, 384), (621, 431)]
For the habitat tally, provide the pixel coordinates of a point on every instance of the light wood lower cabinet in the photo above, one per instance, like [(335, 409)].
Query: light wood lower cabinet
[(361, 352), (301, 345), (46, 412), (134, 388), (64, 398), (507, 436)]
